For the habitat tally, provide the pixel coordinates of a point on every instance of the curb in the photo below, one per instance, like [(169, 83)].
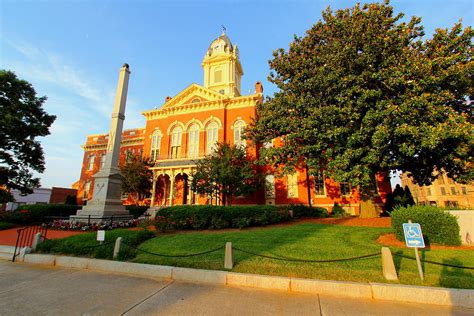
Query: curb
[(378, 291)]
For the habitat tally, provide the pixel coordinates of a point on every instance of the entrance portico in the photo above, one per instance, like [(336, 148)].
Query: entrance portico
[(172, 186)]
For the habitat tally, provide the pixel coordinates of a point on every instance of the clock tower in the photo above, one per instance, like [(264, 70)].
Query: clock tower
[(222, 68)]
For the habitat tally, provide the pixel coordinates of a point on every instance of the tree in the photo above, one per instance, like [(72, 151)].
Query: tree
[(363, 93), (136, 177), (226, 173), (399, 197), (22, 120)]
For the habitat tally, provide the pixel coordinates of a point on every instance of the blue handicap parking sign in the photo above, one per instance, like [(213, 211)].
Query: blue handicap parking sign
[(413, 235)]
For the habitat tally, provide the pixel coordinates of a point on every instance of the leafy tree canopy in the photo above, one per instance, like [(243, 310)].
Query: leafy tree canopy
[(225, 173), (22, 120), (136, 177), (362, 92)]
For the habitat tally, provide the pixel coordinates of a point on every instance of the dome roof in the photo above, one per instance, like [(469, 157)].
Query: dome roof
[(222, 42)]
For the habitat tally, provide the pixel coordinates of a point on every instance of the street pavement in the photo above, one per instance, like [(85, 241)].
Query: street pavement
[(38, 290)]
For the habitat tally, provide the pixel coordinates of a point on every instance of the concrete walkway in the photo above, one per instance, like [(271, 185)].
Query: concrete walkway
[(38, 290)]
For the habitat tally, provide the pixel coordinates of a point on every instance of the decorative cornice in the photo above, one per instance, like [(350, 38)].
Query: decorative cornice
[(227, 103), (103, 146)]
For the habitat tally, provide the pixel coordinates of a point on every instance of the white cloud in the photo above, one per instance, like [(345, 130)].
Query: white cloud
[(81, 102)]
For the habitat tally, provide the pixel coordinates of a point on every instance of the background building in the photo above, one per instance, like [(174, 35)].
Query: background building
[(443, 192), (188, 126), (54, 195)]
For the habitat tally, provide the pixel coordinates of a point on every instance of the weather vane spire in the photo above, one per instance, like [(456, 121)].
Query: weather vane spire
[(223, 29)]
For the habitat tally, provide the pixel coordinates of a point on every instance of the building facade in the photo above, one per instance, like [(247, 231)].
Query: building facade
[(188, 126), (443, 192)]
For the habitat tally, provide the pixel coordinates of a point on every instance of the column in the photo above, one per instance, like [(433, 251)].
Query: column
[(165, 188), (153, 189), (171, 188), (189, 197)]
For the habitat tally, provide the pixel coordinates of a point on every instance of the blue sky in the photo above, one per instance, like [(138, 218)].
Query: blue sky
[(71, 51)]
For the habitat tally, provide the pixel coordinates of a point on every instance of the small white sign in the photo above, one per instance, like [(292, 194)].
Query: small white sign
[(100, 235)]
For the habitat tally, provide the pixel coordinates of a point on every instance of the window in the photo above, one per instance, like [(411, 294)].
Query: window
[(128, 155), (428, 191), (196, 100), (292, 185), (155, 145), (211, 137), (238, 133), (91, 162), (451, 204), (319, 186), (102, 161), (464, 190), (270, 186), (222, 91), (453, 190), (217, 75), (345, 188), (443, 191), (87, 187), (176, 142), (193, 139)]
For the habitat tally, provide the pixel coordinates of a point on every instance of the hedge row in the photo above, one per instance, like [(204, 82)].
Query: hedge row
[(307, 211), (136, 210), (218, 217), (438, 226), (27, 214)]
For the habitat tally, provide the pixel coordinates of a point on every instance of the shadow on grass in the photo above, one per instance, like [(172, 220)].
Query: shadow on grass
[(455, 277)]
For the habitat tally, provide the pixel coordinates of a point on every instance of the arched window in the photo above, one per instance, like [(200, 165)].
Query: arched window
[(193, 141), (91, 162), (155, 145), (238, 133), (212, 138), (270, 186), (102, 160), (292, 185), (176, 142)]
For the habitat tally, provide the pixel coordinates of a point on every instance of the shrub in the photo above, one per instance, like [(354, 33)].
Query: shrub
[(300, 210), (218, 217), (136, 210), (438, 226), (4, 225), (27, 214), (86, 244), (338, 211)]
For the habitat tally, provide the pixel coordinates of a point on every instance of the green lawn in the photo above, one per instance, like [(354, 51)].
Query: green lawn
[(313, 242), (86, 245)]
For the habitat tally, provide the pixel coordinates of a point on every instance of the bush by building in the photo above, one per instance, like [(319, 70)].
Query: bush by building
[(218, 217), (438, 226), (300, 210), (338, 211), (136, 210)]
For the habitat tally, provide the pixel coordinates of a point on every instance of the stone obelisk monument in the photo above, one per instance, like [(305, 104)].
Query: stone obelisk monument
[(108, 181)]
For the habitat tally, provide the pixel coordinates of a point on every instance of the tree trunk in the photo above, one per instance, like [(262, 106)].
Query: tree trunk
[(308, 185)]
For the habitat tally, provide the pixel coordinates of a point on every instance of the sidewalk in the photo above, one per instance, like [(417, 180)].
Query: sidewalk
[(8, 236), (38, 290)]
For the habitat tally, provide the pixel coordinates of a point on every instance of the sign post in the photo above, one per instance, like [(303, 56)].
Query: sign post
[(101, 236), (414, 239)]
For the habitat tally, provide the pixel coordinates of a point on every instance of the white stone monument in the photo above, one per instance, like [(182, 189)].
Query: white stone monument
[(106, 200)]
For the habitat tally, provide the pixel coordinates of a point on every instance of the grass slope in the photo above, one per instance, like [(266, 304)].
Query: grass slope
[(312, 242)]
